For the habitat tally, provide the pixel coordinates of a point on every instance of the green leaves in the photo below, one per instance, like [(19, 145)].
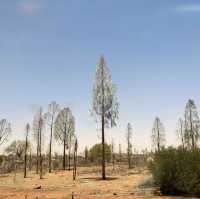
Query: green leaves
[(177, 171)]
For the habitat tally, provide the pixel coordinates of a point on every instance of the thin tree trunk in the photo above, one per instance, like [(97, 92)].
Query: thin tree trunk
[(103, 128), (37, 163), (191, 131), (30, 161), (40, 154), (113, 161), (64, 155), (120, 153), (182, 135), (158, 142), (64, 148), (50, 145), (25, 155), (103, 151), (75, 161), (69, 154)]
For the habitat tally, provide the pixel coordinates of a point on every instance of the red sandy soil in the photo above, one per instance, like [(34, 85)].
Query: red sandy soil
[(87, 186)]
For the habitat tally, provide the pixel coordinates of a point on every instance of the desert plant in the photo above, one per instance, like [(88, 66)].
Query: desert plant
[(177, 171)]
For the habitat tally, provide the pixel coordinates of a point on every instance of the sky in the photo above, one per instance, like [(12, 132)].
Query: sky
[(49, 51)]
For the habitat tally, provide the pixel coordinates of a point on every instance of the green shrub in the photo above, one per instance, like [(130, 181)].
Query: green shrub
[(177, 171), (95, 153)]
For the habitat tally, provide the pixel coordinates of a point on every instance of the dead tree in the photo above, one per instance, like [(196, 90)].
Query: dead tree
[(120, 153), (86, 154), (105, 105), (129, 145), (113, 153), (5, 131), (36, 136), (70, 137), (158, 134), (75, 159), (30, 160), (38, 125), (192, 125), (50, 116), (40, 142), (181, 132), (64, 126), (26, 147)]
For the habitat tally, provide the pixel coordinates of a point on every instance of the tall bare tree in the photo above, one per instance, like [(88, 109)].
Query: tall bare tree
[(75, 159), (105, 105), (50, 116), (38, 125), (181, 132), (120, 153), (192, 125), (129, 144), (113, 153), (86, 153), (26, 147), (64, 125), (71, 139), (5, 131), (158, 134), (16, 148)]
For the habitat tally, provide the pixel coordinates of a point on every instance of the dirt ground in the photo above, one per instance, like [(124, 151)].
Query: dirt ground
[(121, 184)]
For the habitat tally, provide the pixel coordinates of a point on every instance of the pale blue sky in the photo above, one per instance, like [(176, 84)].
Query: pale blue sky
[(49, 51)]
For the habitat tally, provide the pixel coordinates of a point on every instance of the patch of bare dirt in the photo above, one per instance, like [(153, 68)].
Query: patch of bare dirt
[(120, 184)]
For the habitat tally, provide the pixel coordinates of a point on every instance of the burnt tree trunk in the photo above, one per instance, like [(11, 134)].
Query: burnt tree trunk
[(50, 146), (25, 155), (75, 160)]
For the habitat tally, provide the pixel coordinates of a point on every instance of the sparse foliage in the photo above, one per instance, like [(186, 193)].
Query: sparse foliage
[(158, 134), (181, 132), (105, 105), (38, 127), (64, 126), (192, 125), (5, 131), (16, 148), (50, 116)]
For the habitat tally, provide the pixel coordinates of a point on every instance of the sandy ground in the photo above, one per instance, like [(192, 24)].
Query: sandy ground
[(121, 184)]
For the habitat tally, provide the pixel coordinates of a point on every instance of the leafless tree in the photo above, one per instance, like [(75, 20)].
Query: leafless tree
[(36, 135), (86, 154), (71, 139), (129, 144), (5, 131), (105, 105), (158, 134), (50, 116), (30, 158), (38, 126), (120, 153), (26, 148), (75, 159), (181, 132), (64, 125), (16, 148), (192, 125), (113, 153)]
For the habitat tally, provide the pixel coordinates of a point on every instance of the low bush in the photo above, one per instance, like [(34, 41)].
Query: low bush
[(177, 171)]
